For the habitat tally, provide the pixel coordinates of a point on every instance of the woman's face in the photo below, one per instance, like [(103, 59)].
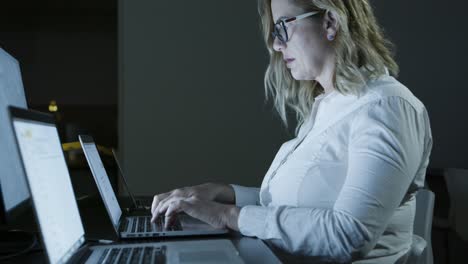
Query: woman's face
[(308, 49)]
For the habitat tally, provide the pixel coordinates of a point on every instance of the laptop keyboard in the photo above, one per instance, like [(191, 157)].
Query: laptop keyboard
[(146, 254), (123, 227), (144, 202), (142, 224)]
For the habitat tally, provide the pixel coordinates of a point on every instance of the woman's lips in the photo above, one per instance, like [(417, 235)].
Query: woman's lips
[(288, 60)]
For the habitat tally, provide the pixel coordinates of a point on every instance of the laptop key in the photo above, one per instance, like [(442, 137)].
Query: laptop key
[(147, 224), (103, 256), (124, 226), (141, 224), (134, 223), (135, 258), (154, 228), (160, 255), (147, 254), (124, 256), (112, 255), (176, 226)]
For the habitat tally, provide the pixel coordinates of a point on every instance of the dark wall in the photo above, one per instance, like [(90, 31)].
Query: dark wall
[(191, 90), (431, 40), (191, 96), (67, 50), (68, 53)]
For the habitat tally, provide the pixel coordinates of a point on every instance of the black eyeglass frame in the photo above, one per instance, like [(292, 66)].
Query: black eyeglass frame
[(282, 23)]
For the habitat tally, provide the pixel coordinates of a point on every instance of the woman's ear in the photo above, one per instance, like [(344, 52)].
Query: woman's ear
[(330, 24)]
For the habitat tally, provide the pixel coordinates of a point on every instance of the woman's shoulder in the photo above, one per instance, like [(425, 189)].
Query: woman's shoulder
[(387, 88)]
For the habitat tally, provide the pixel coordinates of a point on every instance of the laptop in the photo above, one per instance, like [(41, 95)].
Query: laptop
[(128, 226), (58, 218), (137, 203)]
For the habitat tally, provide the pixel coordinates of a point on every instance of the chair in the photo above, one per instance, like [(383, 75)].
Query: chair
[(457, 185), (422, 228), (457, 236)]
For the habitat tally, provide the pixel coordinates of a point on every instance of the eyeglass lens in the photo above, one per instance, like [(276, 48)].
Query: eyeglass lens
[(280, 32)]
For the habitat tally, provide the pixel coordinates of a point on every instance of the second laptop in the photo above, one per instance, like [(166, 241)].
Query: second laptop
[(127, 226)]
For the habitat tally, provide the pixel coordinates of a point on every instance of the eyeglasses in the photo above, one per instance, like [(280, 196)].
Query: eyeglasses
[(280, 30)]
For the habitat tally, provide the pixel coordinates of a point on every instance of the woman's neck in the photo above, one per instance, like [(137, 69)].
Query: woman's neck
[(326, 78)]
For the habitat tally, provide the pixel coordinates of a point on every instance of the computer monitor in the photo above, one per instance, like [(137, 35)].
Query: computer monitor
[(13, 191), (49, 182)]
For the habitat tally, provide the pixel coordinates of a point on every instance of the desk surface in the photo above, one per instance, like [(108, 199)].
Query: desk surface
[(97, 226)]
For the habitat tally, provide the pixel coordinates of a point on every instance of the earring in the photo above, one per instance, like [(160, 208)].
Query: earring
[(331, 37)]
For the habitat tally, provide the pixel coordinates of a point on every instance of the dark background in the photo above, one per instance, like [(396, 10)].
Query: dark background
[(431, 40), (68, 53), (177, 86), (191, 97), (191, 79)]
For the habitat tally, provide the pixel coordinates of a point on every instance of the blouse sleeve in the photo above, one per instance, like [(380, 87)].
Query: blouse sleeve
[(246, 195), (387, 140)]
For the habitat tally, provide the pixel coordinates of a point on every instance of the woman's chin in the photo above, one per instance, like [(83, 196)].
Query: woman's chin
[(295, 75), (298, 76), (301, 76)]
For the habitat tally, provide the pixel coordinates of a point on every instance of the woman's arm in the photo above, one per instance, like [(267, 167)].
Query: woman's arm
[(246, 195)]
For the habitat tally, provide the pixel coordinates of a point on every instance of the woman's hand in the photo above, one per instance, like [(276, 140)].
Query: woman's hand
[(215, 214), (206, 192)]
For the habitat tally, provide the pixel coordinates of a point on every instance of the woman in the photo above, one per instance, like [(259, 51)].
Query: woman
[(344, 189)]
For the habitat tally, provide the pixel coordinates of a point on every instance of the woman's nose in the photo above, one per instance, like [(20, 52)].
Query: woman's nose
[(278, 45)]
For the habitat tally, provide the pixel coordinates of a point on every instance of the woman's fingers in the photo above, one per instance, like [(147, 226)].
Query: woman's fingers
[(157, 210), (173, 209), (164, 205), (205, 211), (209, 212), (156, 200), (162, 200)]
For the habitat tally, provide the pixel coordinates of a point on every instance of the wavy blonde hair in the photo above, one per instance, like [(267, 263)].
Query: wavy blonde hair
[(361, 53)]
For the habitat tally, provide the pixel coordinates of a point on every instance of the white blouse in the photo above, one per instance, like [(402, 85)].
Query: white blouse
[(344, 189)]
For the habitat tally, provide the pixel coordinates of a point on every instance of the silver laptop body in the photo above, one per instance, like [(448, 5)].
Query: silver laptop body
[(137, 226)]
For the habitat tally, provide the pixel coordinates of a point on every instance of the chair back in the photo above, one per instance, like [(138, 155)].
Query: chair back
[(423, 227), (457, 187)]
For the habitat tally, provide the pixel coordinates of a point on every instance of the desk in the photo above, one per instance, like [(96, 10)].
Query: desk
[(98, 225)]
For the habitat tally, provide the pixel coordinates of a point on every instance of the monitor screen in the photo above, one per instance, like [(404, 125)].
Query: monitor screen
[(102, 181), (50, 186), (13, 187)]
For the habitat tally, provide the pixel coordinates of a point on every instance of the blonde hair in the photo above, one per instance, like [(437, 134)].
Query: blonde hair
[(361, 53)]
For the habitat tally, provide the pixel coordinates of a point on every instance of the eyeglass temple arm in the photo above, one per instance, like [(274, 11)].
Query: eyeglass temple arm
[(301, 16)]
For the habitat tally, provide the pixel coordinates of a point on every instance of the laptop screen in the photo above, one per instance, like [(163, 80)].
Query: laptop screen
[(50, 186), (13, 185), (102, 180)]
